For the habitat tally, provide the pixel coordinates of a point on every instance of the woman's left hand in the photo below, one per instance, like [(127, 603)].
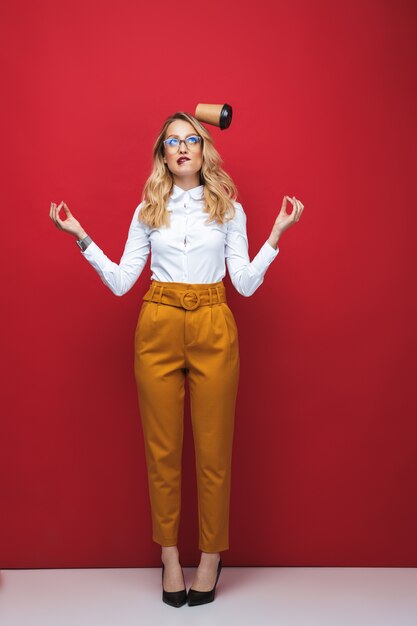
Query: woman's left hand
[(284, 220)]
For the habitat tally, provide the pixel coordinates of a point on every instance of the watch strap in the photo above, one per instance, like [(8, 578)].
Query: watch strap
[(84, 243)]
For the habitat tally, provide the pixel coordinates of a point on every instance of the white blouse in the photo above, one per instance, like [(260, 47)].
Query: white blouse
[(187, 252)]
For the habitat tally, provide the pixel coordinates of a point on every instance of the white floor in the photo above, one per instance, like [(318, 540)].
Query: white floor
[(257, 596)]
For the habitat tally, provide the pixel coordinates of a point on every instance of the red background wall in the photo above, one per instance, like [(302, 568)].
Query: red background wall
[(324, 99)]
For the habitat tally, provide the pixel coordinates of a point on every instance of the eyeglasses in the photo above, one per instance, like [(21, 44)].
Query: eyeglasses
[(172, 144)]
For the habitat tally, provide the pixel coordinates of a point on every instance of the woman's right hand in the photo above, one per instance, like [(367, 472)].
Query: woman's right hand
[(70, 224)]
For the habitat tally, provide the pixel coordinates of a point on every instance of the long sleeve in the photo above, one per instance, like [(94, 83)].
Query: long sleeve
[(246, 276), (119, 278)]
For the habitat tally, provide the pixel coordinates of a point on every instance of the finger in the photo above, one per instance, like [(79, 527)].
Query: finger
[(294, 214), (60, 223), (57, 219), (301, 209), (284, 206), (66, 209), (52, 212), (298, 208), (57, 210)]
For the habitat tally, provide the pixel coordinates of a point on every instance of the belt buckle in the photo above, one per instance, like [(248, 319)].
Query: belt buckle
[(186, 306)]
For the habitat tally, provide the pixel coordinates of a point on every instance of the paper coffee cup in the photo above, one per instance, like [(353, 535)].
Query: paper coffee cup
[(215, 114)]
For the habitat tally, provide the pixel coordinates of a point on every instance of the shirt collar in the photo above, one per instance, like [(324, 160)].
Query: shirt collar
[(177, 194)]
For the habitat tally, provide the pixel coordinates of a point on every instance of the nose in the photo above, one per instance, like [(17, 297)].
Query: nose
[(183, 143)]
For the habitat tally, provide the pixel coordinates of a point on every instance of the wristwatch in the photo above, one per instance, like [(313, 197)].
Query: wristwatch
[(84, 243)]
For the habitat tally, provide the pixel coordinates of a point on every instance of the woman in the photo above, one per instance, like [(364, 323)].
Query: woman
[(191, 222)]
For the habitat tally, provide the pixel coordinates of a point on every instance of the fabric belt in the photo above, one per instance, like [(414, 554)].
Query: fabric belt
[(186, 297)]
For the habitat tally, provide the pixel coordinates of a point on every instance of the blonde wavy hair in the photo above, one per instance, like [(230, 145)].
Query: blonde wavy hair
[(219, 190)]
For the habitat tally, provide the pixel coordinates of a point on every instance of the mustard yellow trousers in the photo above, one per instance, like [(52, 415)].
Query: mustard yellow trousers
[(188, 329)]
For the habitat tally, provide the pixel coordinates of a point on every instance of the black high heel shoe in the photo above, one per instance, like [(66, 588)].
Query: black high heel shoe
[(173, 598), (202, 597)]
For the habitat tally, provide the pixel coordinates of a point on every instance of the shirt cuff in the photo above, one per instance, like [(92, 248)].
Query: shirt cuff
[(269, 250), (263, 259)]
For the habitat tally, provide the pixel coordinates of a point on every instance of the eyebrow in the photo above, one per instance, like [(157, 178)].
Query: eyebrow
[(189, 135)]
